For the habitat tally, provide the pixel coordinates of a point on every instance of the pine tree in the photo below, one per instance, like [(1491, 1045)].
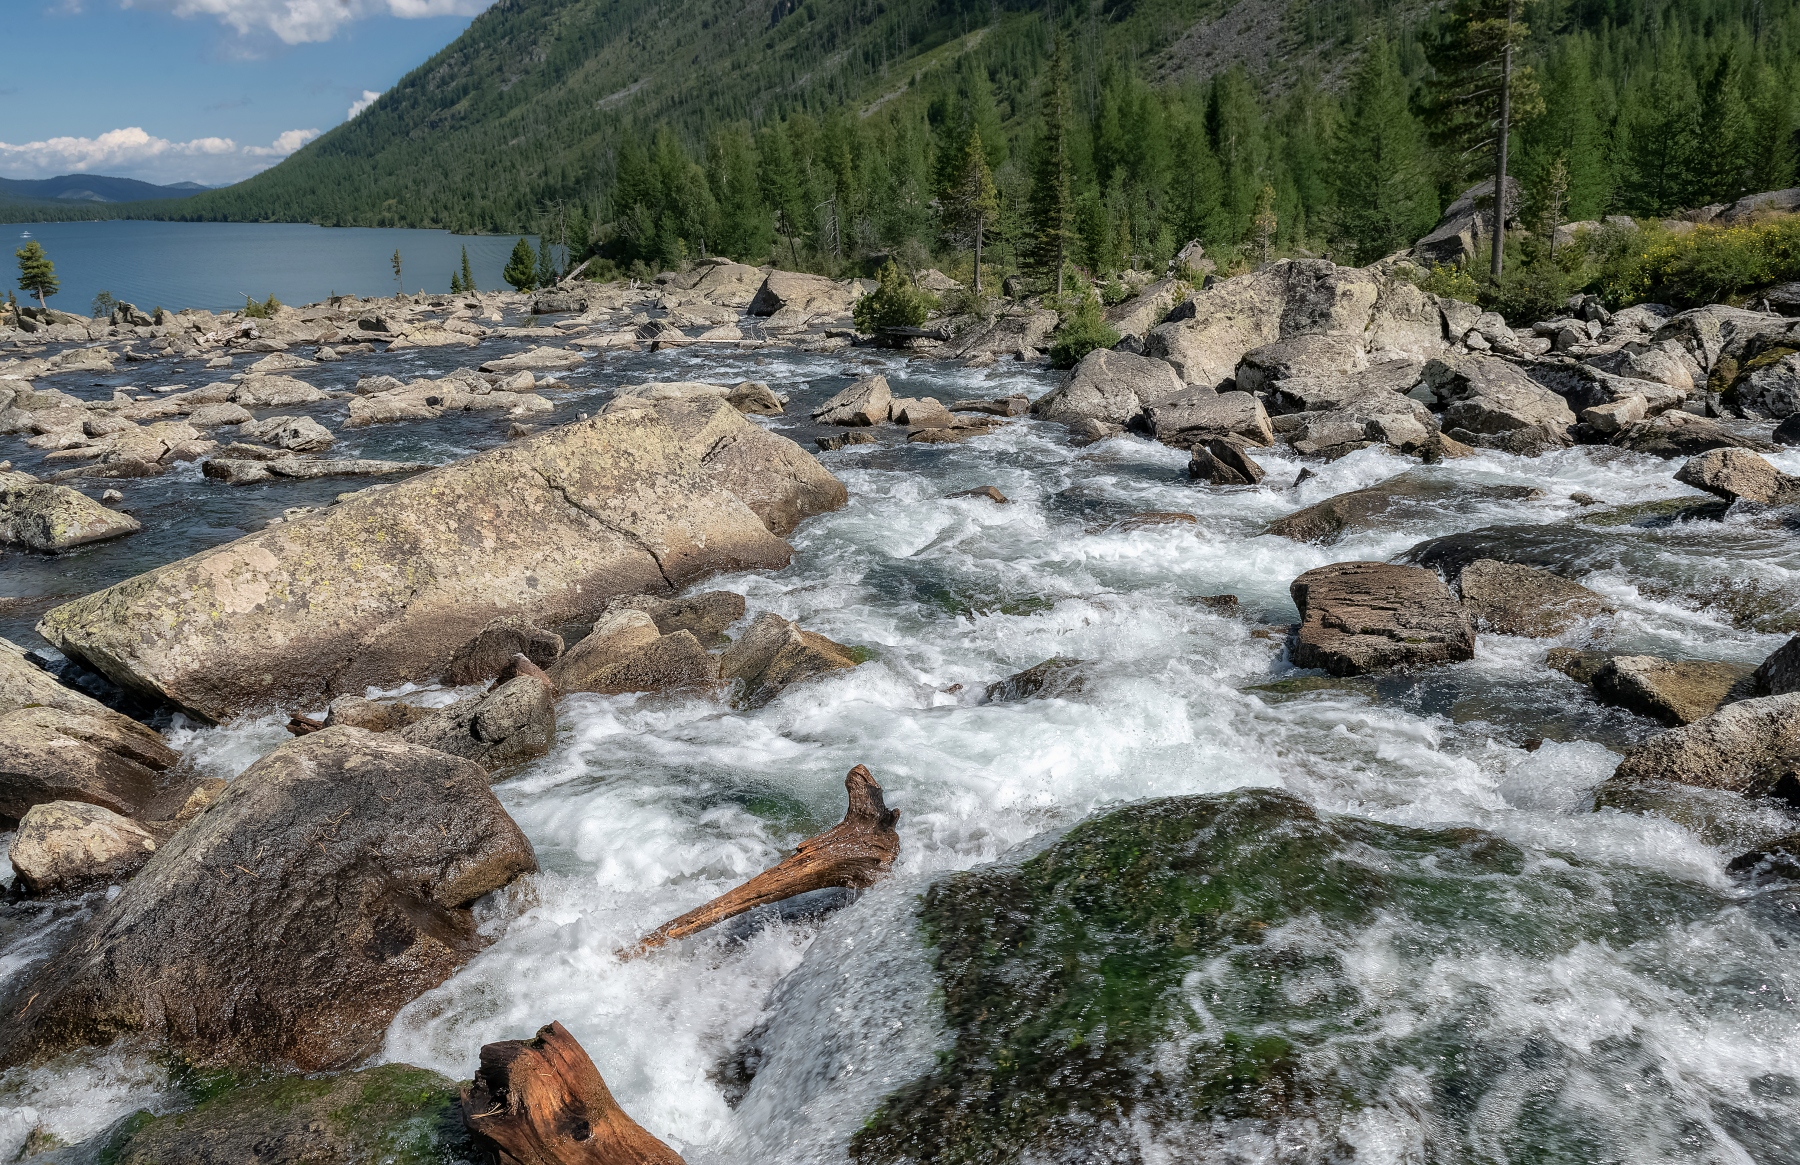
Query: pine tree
[(1463, 103), (1195, 183), (1263, 224), (521, 267), (37, 274), (779, 180), (972, 201), (1052, 200), (456, 286), (1662, 145), (398, 281), (1235, 128), (546, 264), (1722, 163), (1571, 131), (468, 279), (1383, 192), (1772, 128)]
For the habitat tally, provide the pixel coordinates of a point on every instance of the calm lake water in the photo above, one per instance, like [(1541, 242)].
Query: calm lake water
[(216, 264)]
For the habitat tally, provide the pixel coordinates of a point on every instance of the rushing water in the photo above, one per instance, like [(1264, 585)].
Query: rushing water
[(1643, 1009), (215, 265)]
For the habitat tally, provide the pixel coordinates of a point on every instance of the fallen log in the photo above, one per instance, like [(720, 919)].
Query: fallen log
[(542, 1102), (855, 854)]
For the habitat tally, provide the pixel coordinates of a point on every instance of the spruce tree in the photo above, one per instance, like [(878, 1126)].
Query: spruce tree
[(521, 267), (455, 282), (546, 264), (1722, 164), (1662, 145), (1571, 131), (1382, 189), (37, 274), (779, 180), (468, 279), (1236, 131), (1462, 104), (972, 202), (1052, 200), (399, 283)]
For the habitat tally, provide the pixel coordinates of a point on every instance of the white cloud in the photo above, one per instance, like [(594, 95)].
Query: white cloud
[(134, 153), (361, 103), (307, 21)]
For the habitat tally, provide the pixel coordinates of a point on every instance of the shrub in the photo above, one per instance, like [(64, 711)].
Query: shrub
[(103, 305), (262, 311), (1449, 281), (1114, 291), (1083, 329), (1705, 265), (966, 301), (1536, 289), (895, 303)]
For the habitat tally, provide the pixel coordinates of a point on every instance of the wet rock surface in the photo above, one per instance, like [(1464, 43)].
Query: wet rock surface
[(1360, 617), (341, 860)]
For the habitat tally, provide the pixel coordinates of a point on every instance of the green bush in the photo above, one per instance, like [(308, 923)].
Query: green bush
[(1114, 291), (1451, 282), (1705, 265), (966, 301), (895, 303), (1536, 288), (262, 311), (1083, 329)]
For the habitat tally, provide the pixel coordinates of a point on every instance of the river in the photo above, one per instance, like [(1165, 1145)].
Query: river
[(215, 265), (1626, 1001)]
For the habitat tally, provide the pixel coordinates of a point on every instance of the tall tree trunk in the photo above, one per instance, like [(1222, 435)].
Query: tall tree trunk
[(978, 253), (1499, 262)]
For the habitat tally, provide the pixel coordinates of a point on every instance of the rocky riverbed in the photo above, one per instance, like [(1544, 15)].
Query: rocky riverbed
[(1205, 847)]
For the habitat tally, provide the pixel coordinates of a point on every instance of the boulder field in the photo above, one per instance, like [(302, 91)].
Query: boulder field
[(386, 588)]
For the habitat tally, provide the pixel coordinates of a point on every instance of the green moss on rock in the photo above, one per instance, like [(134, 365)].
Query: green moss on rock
[(1181, 964), (394, 1114)]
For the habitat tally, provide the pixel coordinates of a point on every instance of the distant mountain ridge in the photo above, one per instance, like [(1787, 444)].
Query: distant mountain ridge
[(93, 188)]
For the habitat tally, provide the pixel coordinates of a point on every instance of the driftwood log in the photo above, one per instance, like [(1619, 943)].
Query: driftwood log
[(542, 1102), (855, 853)]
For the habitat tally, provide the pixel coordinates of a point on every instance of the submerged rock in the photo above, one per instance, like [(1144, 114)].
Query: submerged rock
[(394, 1113), (774, 654), (1780, 673), (1358, 617), (1508, 599), (1347, 513), (1180, 978), (706, 615), (328, 886), (385, 588), (1054, 678), (1682, 434), (70, 845)]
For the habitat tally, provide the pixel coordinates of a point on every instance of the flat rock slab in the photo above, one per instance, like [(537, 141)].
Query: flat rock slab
[(328, 886), (384, 588), (1509, 599), (1358, 617), (1750, 747), (1674, 691)]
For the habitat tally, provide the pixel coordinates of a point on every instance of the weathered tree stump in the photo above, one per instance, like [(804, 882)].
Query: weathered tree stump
[(542, 1102), (855, 853)]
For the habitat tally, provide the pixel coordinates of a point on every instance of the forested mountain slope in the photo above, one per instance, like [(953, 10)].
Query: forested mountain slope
[(826, 130)]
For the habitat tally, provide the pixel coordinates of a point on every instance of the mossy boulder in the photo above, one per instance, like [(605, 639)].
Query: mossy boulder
[(394, 1114), (1196, 969)]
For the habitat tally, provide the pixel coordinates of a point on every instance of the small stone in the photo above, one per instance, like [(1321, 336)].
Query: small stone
[(840, 440), (985, 491), (112, 497)]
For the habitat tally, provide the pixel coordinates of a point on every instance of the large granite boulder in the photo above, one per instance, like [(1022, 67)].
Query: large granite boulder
[(1110, 386), (864, 403), (627, 652), (774, 654), (1466, 228), (1406, 496), (328, 886), (1199, 415), (811, 294), (1682, 434), (1496, 404), (1358, 617), (1780, 673), (385, 588), (57, 744), (1285, 299), (1750, 747), (49, 518), (1674, 691)]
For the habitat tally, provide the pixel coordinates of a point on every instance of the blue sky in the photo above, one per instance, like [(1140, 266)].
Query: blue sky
[(207, 91)]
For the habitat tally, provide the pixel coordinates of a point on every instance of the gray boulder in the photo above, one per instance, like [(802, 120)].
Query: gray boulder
[(384, 588), (1498, 405), (328, 886), (774, 654), (706, 615), (1780, 673), (1358, 617), (57, 744), (298, 434), (626, 652), (862, 404), (1682, 434), (50, 518), (490, 652), (1297, 393), (1772, 390), (1706, 333), (1198, 416), (1750, 747), (1357, 510), (65, 846), (1109, 386), (1674, 691), (1508, 599), (1739, 473), (514, 722), (1466, 228), (811, 294)]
